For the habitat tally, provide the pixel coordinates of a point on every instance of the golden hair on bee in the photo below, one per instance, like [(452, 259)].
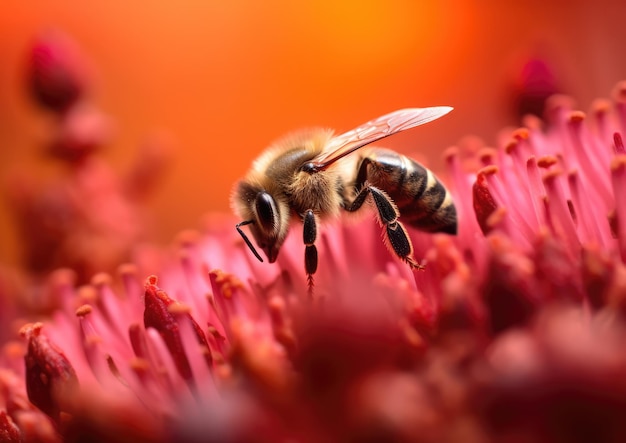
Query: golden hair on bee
[(311, 175)]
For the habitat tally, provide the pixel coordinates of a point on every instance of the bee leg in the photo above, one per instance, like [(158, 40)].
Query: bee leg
[(310, 253), (397, 238)]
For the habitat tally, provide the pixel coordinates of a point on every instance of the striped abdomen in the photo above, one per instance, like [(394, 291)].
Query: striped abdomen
[(423, 202)]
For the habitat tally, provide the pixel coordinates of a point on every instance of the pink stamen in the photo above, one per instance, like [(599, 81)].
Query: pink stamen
[(536, 189), (484, 203), (488, 156), (588, 228), (618, 176), (618, 143), (112, 310), (92, 344), (560, 214), (511, 198), (198, 353), (619, 97), (159, 314), (600, 111)]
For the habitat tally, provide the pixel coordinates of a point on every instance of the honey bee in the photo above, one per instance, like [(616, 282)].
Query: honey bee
[(311, 175)]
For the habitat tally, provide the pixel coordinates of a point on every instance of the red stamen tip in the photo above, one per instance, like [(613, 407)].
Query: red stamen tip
[(450, 153), (487, 156), (84, 310), (618, 164), (601, 106), (127, 269), (577, 117), (511, 146), (521, 134), (547, 161)]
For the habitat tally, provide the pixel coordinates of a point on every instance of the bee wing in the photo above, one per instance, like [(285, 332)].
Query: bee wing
[(376, 129)]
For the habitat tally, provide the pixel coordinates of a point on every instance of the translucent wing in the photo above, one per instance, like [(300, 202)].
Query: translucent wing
[(381, 127)]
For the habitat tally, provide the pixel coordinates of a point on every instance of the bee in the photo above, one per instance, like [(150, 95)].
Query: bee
[(313, 175)]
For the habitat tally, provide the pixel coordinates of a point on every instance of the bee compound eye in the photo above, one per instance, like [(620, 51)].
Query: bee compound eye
[(266, 211)]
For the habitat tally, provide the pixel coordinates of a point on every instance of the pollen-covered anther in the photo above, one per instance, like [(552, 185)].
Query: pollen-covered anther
[(84, 310), (521, 134), (547, 161), (577, 117), (226, 282)]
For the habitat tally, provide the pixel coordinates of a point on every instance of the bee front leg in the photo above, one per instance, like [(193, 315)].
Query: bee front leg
[(397, 238), (310, 253)]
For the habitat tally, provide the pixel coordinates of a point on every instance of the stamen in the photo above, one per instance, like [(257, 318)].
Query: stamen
[(588, 228), (557, 205), (536, 189), (619, 97), (158, 315), (618, 143), (594, 172), (483, 202), (600, 110), (618, 176)]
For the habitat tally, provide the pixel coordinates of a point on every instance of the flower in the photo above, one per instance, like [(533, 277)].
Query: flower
[(513, 332), (58, 75), (92, 207)]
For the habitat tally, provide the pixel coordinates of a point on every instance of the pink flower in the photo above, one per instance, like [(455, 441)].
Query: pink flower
[(88, 220), (58, 76), (514, 332)]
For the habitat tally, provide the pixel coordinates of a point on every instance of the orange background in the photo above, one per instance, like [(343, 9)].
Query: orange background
[(224, 78)]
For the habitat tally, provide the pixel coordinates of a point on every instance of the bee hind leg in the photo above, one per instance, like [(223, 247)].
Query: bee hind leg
[(309, 234), (397, 239)]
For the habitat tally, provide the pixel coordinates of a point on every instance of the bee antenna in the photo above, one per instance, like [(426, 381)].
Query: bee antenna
[(245, 238)]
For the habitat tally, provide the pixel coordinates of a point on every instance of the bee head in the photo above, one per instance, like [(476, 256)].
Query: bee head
[(266, 225)]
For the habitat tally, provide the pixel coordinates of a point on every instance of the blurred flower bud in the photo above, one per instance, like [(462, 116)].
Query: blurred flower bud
[(56, 73)]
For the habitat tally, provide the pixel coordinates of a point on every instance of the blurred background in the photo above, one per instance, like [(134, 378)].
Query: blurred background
[(220, 80)]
